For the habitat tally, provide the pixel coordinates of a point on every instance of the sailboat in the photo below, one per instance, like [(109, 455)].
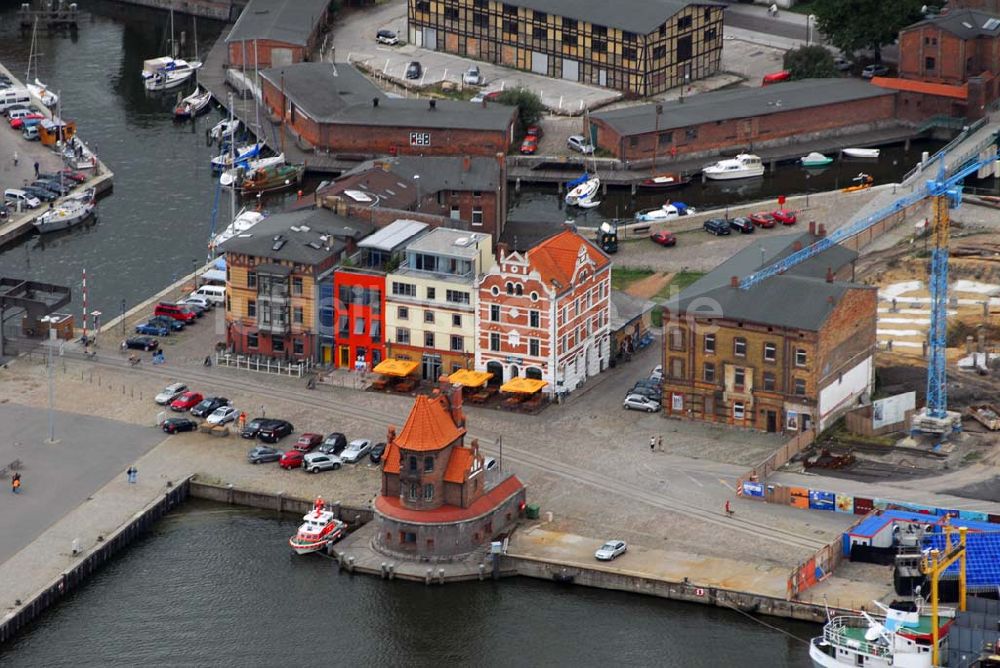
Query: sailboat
[(36, 87), (582, 190), (238, 155), (192, 105), (235, 174), (243, 221), (169, 72)]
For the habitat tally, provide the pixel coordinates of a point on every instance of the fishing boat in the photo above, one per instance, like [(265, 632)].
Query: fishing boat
[(235, 174), (70, 212), (192, 105), (743, 166), (583, 187), (224, 129), (35, 87), (665, 181), (861, 152), (238, 155), (668, 211), (896, 638), (861, 182), (319, 528), (815, 160), (271, 178), (243, 221)]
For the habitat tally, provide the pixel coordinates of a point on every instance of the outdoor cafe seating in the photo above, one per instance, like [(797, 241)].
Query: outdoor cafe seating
[(395, 375), (474, 384), (524, 394)]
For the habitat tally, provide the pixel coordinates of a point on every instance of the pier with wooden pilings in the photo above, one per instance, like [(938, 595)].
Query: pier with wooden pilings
[(49, 14)]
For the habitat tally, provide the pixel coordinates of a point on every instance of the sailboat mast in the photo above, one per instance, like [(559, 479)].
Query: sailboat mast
[(31, 51), (173, 49), (232, 162), (195, 40)]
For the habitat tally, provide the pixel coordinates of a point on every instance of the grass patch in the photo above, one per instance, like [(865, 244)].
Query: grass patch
[(622, 277), (681, 280), (450, 93), (971, 457), (656, 317), (801, 7)]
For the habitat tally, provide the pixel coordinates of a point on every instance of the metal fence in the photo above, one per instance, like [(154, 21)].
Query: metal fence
[(264, 364)]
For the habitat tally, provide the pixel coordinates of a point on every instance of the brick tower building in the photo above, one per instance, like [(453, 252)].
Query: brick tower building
[(438, 500)]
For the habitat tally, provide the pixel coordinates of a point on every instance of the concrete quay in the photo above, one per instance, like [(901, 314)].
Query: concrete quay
[(16, 175)]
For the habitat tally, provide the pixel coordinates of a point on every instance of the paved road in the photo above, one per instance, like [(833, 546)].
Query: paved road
[(754, 18)]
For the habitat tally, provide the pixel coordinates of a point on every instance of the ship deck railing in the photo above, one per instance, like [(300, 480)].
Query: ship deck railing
[(849, 631)]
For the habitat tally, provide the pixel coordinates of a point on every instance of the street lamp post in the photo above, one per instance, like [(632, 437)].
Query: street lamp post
[(416, 180), (809, 21), (51, 322)]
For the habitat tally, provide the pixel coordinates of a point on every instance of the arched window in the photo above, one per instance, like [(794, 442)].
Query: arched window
[(510, 288), (428, 464), (428, 492), (519, 289), (413, 463)]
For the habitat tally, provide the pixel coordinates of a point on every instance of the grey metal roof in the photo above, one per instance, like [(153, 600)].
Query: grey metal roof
[(289, 21), (339, 93), (965, 23), (739, 103), (436, 173), (639, 16), (449, 242), (800, 298), (394, 235), (310, 236)]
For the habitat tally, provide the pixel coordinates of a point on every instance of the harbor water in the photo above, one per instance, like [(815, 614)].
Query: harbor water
[(218, 585)]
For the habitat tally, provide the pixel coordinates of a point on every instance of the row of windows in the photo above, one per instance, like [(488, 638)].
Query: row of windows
[(403, 313), (401, 289), (534, 345), (534, 317), (277, 344), (513, 289), (769, 349), (414, 494), (278, 315), (739, 377), (252, 282), (362, 325), (430, 340)]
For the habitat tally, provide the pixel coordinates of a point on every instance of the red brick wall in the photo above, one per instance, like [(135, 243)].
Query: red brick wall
[(264, 46), (746, 131), (848, 335)]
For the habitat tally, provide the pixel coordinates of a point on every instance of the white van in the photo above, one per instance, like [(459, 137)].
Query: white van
[(13, 96), (213, 293), (18, 113), (13, 195)]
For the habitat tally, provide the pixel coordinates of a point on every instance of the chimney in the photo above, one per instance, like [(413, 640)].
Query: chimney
[(502, 250), (374, 101), (455, 404), (734, 281), (466, 163), (812, 227), (797, 246), (433, 104), (822, 229), (829, 275)]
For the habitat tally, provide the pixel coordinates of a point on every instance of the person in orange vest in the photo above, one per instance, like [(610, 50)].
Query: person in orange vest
[(728, 510), (243, 420), (15, 484)]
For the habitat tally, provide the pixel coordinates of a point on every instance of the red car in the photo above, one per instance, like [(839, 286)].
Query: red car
[(79, 177), (530, 145), (308, 442), (762, 219), (19, 122), (663, 238), (186, 401), (292, 459), (534, 131), (784, 216)]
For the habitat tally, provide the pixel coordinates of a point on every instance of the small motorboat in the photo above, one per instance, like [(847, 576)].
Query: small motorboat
[(861, 152), (275, 177), (224, 129), (243, 153), (243, 221), (665, 181), (319, 528), (668, 211), (588, 203), (235, 174), (192, 105), (861, 182), (583, 188), (70, 212), (171, 75), (815, 160), (743, 166)]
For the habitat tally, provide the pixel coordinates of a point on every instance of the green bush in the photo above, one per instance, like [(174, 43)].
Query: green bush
[(529, 105)]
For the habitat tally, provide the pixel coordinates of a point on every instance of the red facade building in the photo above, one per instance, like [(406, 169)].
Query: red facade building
[(270, 33)]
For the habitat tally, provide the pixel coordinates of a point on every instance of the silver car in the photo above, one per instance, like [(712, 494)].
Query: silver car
[(169, 393), (610, 550), (314, 462), (637, 402), (579, 144), (355, 450)]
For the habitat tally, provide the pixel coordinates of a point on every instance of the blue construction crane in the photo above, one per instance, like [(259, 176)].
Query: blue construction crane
[(946, 193)]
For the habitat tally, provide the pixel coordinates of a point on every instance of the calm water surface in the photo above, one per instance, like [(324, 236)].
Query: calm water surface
[(214, 585)]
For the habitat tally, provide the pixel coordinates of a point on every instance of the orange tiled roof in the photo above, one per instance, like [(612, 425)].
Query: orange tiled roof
[(390, 506), (390, 458), (458, 465), (913, 86), (555, 257), (429, 427)]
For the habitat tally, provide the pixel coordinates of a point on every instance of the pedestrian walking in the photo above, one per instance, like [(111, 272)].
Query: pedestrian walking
[(15, 158), (729, 511), (243, 420), (652, 443), (659, 442), (15, 484), (36, 169), (131, 474)]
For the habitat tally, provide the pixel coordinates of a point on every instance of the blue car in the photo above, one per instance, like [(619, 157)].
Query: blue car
[(164, 321), (152, 329)]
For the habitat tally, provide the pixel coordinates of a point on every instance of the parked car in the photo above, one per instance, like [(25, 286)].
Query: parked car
[(43, 194), (653, 393), (742, 225), (333, 443), (656, 373), (223, 415), (473, 76), (15, 195), (873, 70), (142, 342), (386, 36), (177, 424), (529, 145), (663, 238), (483, 96), (784, 216), (579, 144), (252, 428), (186, 401), (842, 64), (153, 329), (638, 402), (196, 308), (355, 450), (74, 175), (18, 118), (203, 303), (208, 405), (292, 459), (169, 323), (30, 133), (414, 70), (775, 77), (174, 311), (762, 219), (717, 226), (650, 383), (375, 455), (314, 462), (610, 550), (169, 393), (275, 430), (53, 187), (534, 131), (308, 442), (263, 453)]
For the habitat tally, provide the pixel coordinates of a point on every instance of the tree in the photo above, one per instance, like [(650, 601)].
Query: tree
[(809, 62), (851, 25), (529, 105)]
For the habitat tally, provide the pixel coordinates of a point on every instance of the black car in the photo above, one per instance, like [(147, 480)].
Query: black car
[(43, 194), (333, 443), (376, 453), (650, 392), (177, 424), (53, 186), (142, 343), (414, 70), (717, 226), (165, 321), (262, 453), (253, 427), (208, 405), (275, 430), (197, 309), (742, 225)]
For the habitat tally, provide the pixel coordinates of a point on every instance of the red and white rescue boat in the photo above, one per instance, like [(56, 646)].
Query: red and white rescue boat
[(319, 528)]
